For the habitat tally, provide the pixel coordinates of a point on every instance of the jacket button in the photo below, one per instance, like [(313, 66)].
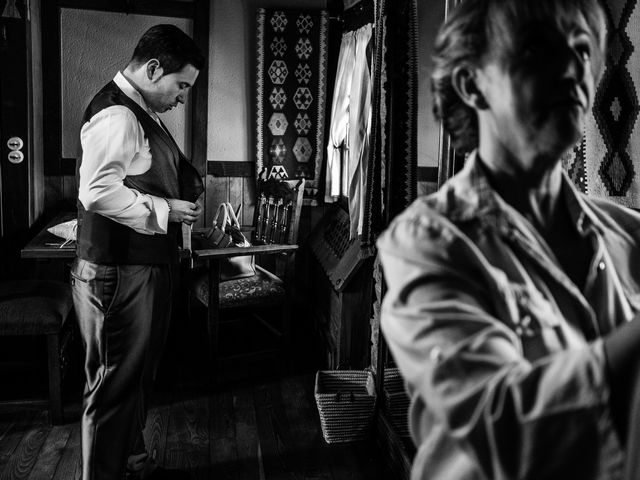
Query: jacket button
[(601, 266)]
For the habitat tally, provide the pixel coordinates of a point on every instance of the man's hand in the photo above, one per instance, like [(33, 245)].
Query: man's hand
[(183, 211)]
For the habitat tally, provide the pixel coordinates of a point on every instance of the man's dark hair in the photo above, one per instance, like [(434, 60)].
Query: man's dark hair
[(170, 46), (479, 28)]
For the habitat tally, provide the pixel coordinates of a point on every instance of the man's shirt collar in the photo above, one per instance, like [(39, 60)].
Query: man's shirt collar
[(131, 92)]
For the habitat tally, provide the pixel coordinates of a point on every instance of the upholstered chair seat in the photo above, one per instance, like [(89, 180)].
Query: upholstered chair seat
[(263, 288), (39, 307), (34, 307)]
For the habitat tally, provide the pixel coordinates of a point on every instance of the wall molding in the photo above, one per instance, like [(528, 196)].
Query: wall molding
[(219, 168), (163, 8)]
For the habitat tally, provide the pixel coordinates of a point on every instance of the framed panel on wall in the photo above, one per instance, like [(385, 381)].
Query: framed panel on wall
[(85, 43)]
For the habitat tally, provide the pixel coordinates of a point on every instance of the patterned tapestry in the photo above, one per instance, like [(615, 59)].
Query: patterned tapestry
[(290, 98), (607, 161)]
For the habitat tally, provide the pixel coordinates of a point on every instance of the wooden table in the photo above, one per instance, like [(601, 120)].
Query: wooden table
[(213, 257), (46, 245)]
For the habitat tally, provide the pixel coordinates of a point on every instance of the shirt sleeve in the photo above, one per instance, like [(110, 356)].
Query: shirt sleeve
[(111, 142), (467, 373)]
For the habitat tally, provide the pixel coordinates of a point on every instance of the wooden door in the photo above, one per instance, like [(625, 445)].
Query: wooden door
[(18, 165)]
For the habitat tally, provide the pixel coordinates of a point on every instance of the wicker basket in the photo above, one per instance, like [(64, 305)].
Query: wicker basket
[(396, 401), (346, 401)]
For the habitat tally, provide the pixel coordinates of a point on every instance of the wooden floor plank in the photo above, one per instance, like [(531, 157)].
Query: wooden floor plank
[(7, 421), (50, 453), (14, 435), (70, 461), (273, 432), (223, 447), (172, 453), (249, 462), (24, 457), (197, 423), (78, 473), (155, 431), (310, 448), (188, 437)]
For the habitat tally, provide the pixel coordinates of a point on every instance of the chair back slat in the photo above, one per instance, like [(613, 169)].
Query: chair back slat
[(277, 212)]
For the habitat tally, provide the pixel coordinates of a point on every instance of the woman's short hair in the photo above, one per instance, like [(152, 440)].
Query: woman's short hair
[(477, 28), (170, 46)]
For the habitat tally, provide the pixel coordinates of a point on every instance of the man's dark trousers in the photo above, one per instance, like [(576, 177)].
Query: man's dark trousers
[(123, 312)]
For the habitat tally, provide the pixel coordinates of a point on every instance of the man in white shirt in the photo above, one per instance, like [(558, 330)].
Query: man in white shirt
[(135, 190)]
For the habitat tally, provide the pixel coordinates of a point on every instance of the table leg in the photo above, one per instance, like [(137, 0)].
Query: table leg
[(213, 318)]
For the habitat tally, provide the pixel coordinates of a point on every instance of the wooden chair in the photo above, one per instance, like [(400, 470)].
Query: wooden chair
[(274, 235), (38, 307)]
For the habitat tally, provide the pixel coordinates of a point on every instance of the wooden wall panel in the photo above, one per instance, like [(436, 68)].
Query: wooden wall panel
[(249, 200), (217, 191), (70, 188), (53, 190), (236, 195), (235, 190)]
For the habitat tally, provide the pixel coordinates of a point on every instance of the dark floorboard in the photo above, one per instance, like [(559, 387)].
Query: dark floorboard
[(260, 429)]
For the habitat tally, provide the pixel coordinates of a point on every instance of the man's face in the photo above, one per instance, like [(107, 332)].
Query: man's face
[(167, 91), (539, 95)]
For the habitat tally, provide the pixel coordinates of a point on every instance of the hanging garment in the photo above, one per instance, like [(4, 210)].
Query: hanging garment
[(347, 152), (338, 131), (359, 129)]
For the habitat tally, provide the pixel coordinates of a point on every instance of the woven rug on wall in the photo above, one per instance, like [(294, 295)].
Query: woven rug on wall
[(607, 161), (291, 95)]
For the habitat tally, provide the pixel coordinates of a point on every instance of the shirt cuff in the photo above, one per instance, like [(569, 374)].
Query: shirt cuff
[(158, 221)]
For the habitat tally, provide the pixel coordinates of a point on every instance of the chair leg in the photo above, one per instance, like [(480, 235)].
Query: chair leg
[(288, 311), (286, 357), (55, 378)]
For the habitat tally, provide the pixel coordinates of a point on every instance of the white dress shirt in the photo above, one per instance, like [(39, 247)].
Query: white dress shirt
[(114, 146)]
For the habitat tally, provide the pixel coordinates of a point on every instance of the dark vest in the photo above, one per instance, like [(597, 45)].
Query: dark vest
[(102, 240)]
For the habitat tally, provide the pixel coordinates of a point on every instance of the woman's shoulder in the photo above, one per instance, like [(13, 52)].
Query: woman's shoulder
[(423, 228)]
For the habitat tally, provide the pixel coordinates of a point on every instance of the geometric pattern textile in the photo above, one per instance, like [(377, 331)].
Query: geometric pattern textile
[(291, 95), (610, 149), (574, 163)]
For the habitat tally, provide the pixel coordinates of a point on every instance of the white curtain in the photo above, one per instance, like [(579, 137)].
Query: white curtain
[(348, 148)]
